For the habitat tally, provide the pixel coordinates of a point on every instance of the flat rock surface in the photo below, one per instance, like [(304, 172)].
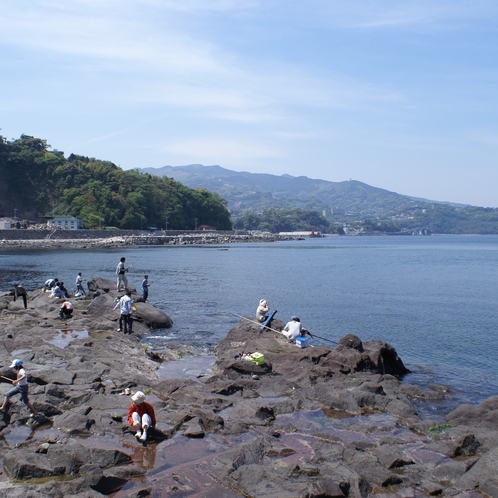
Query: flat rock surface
[(314, 422)]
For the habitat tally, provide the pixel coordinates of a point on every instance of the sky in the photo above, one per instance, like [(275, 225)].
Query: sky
[(398, 95)]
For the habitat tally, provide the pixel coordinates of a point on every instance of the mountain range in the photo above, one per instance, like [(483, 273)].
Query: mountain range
[(254, 192)]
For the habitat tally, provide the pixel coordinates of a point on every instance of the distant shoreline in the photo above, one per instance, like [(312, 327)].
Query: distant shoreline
[(65, 241)]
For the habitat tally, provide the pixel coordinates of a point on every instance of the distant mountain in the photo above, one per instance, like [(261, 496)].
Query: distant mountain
[(255, 192)]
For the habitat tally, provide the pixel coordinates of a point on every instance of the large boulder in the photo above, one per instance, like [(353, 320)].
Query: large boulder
[(152, 317)]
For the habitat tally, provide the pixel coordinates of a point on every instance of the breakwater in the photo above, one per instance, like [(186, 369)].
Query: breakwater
[(80, 239)]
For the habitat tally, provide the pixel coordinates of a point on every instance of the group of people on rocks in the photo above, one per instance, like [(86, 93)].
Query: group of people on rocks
[(141, 414), (122, 280), (140, 417), (292, 330)]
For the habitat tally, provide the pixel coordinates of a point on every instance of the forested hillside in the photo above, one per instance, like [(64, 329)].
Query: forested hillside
[(36, 182)]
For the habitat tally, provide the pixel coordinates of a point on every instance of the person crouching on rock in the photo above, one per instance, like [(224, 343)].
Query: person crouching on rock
[(66, 310), (21, 387), (294, 329), (21, 292), (141, 415), (125, 305), (262, 311)]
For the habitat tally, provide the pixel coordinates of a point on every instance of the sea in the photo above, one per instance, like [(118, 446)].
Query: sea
[(433, 298)]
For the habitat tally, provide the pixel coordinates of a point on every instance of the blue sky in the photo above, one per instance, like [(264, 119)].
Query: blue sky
[(399, 95)]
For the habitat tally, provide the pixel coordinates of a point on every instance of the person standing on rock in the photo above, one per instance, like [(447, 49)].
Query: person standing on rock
[(21, 387), (121, 273), (125, 305), (79, 284), (294, 329), (141, 415), (21, 292), (145, 287), (262, 311)]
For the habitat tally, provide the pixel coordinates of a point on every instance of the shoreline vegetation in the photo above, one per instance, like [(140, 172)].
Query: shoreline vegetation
[(315, 421)]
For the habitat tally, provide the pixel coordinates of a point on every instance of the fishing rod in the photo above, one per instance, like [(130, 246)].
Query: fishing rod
[(255, 322), (279, 332), (6, 378), (322, 338)]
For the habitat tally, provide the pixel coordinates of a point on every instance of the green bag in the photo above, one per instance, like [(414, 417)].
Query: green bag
[(257, 358)]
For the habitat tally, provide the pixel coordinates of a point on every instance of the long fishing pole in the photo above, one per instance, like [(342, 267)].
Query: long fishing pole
[(279, 332), (6, 378), (255, 322), (322, 338)]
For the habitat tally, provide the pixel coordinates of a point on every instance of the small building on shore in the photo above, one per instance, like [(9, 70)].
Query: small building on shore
[(65, 222)]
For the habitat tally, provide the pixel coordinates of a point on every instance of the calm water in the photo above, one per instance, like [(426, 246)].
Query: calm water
[(432, 298)]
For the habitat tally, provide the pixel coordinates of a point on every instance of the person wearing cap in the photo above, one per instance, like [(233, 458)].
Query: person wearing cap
[(21, 384), (66, 310), (262, 311), (141, 415), (21, 292), (294, 329), (125, 305)]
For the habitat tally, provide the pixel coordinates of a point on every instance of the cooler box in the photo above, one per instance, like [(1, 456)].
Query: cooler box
[(301, 342), (257, 358)]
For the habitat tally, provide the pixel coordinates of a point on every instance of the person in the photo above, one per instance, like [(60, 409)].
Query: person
[(79, 284), (294, 329), (121, 273), (141, 415), (21, 387), (21, 292), (56, 291), (66, 310), (125, 306), (262, 311), (63, 290), (145, 287), (50, 284)]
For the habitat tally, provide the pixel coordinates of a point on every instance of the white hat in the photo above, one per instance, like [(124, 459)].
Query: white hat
[(138, 397), (263, 301), (16, 363)]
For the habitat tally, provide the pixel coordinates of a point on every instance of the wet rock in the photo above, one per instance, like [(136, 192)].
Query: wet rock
[(484, 414)]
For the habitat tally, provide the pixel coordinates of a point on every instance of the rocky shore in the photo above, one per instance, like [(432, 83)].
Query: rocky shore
[(312, 422)]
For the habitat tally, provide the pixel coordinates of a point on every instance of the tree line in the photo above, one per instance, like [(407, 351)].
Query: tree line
[(99, 192)]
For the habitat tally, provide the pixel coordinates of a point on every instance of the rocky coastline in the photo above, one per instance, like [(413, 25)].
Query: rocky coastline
[(309, 422), (85, 239)]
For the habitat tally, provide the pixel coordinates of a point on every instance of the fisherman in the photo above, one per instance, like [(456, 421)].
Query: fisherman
[(50, 284), (262, 311), (141, 415), (121, 273), (21, 387), (125, 305), (294, 329), (145, 287), (66, 310), (21, 292), (79, 284)]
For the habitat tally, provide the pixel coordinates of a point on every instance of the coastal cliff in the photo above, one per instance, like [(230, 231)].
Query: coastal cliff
[(314, 422)]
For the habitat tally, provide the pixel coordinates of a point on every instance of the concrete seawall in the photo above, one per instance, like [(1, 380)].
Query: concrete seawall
[(80, 239)]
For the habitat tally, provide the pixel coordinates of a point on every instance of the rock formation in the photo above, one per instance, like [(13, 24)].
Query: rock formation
[(312, 422)]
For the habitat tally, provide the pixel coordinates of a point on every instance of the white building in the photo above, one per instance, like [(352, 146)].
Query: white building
[(67, 222)]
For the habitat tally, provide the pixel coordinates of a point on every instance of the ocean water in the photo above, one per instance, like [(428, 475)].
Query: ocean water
[(432, 298)]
